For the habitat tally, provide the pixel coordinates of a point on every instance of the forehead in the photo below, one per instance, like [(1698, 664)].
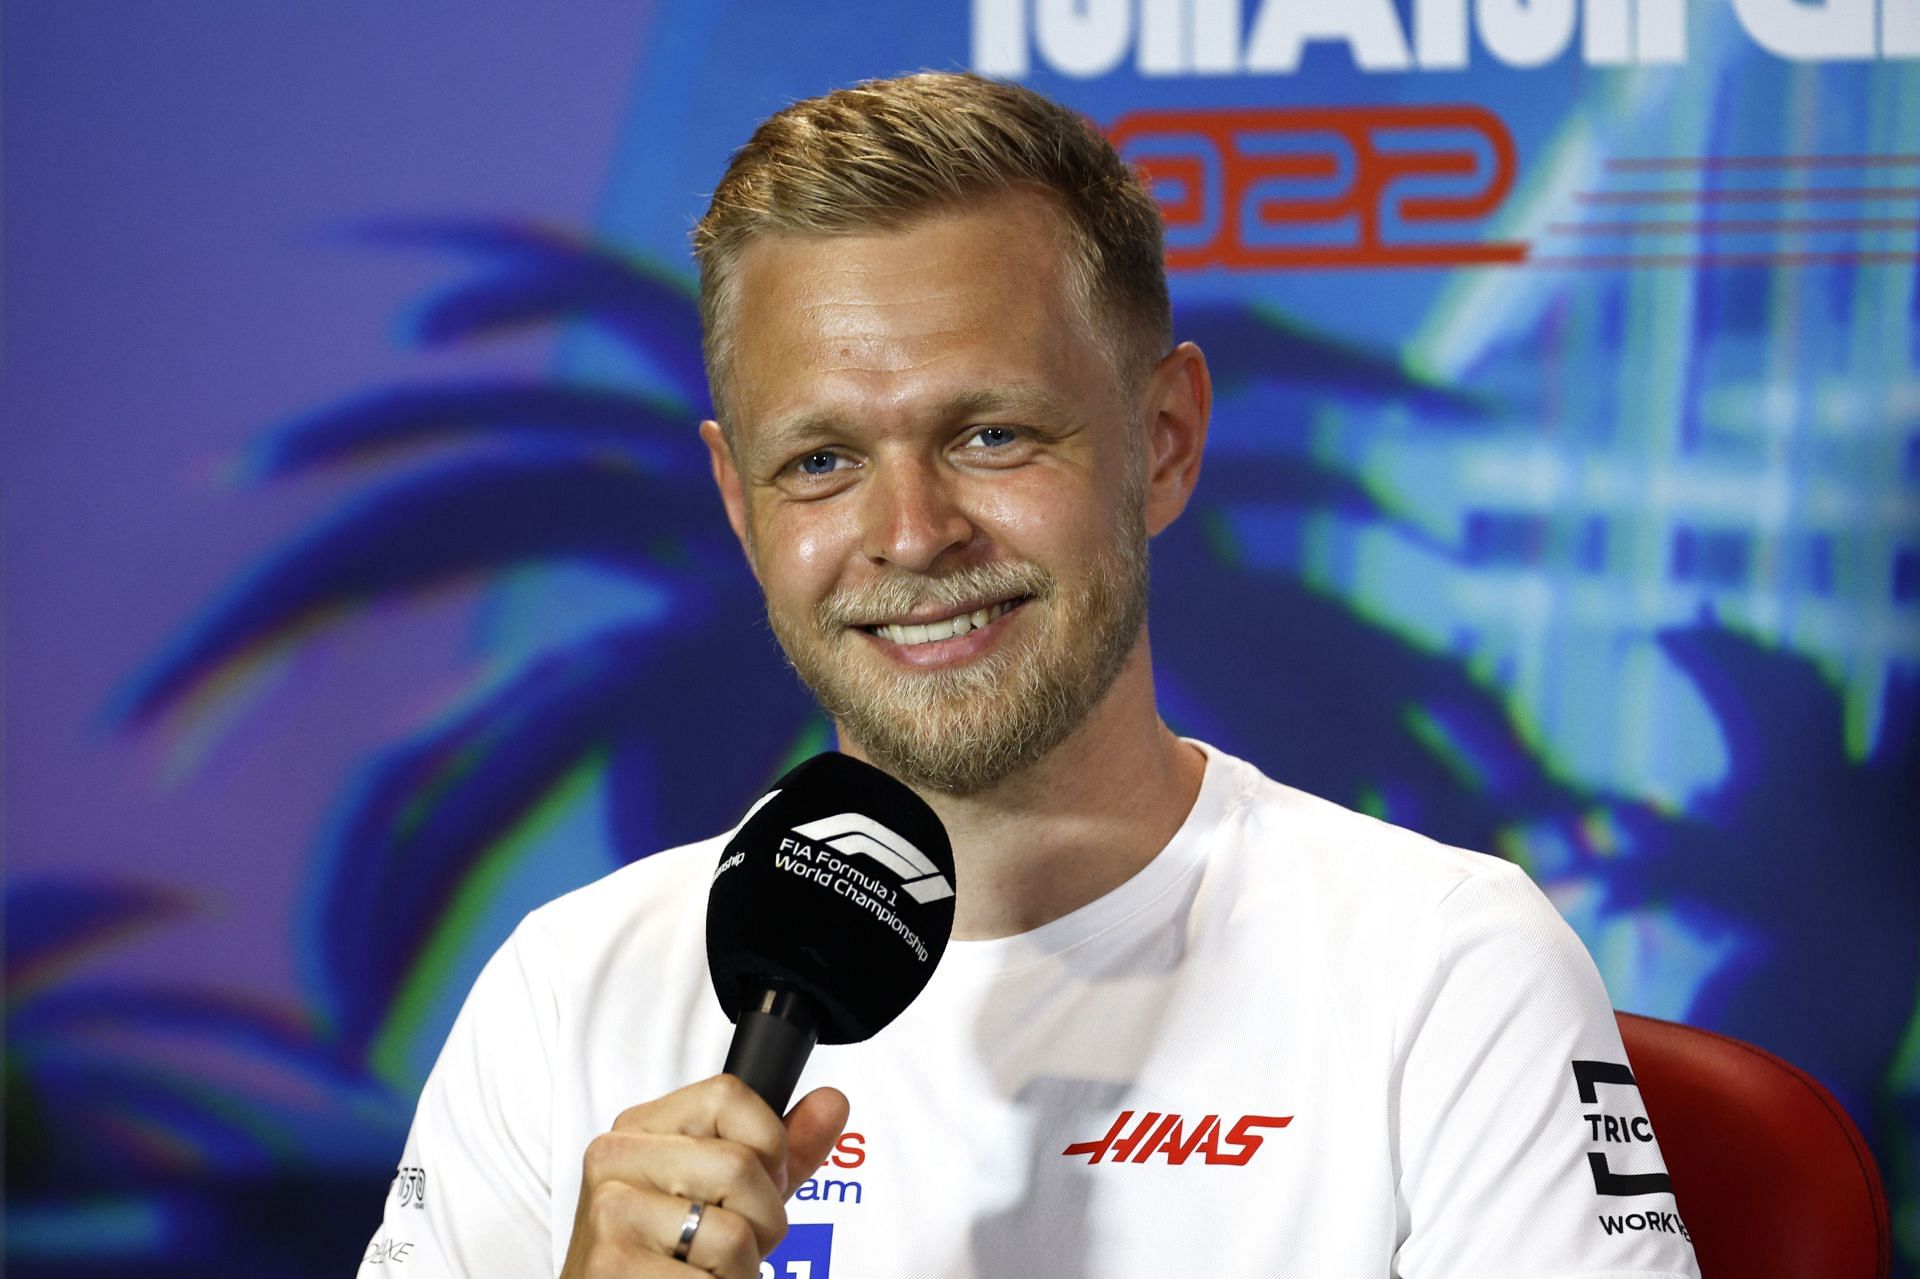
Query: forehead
[(953, 304)]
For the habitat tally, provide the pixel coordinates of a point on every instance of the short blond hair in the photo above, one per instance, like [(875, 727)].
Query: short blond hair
[(883, 153)]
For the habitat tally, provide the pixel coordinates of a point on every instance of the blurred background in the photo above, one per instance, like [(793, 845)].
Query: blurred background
[(364, 587)]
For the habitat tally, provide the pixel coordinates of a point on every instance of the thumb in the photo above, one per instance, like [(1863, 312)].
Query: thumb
[(813, 1125)]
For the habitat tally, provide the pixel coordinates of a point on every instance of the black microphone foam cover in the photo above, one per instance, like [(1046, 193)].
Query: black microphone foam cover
[(839, 886)]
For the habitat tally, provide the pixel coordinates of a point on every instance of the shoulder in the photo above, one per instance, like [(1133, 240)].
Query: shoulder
[(1382, 914), (1351, 859)]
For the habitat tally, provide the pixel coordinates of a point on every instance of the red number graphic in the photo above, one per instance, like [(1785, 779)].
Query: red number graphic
[(1249, 207)]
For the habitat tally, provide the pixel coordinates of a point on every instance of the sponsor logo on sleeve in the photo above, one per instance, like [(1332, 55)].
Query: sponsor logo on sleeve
[(410, 1187), (384, 1251), (1618, 1130)]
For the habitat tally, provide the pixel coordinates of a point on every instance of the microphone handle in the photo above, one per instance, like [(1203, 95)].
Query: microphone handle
[(771, 1040)]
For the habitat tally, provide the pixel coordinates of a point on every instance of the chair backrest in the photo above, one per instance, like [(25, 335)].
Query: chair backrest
[(1771, 1177)]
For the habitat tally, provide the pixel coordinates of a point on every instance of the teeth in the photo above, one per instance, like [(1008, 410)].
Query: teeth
[(948, 629)]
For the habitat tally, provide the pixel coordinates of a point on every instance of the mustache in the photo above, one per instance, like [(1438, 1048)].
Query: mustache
[(894, 596)]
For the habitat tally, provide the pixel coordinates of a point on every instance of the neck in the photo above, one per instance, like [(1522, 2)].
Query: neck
[(1078, 823)]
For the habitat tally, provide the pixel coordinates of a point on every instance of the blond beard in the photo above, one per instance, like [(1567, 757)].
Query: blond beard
[(965, 729)]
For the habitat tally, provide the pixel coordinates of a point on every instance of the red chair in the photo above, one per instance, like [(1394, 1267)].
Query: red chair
[(1771, 1177)]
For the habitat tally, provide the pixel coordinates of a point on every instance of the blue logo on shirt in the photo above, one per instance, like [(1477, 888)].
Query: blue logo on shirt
[(806, 1253)]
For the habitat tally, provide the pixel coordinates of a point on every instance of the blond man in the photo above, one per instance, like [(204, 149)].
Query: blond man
[(1193, 1021)]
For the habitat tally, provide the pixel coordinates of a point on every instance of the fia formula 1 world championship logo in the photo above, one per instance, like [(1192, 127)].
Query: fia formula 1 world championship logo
[(857, 835)]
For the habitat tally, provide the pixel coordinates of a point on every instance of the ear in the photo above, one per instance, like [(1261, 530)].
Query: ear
[(1179, 401), (726, 478)]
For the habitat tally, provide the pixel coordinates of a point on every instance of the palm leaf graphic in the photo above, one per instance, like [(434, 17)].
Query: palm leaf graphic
[(170, 1078), (55, 925), (140, 1076), (422, 531), (515, 473), (540, 275), (1835, 837), (1241, 482), (1251, 345), (412, 825), (391, 419), (1352, 711)]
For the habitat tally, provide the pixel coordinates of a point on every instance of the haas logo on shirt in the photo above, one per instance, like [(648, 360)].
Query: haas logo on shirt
[(1172, 1138)]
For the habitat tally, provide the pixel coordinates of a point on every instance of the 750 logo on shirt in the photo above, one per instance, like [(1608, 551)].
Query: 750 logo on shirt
[(1168, 1135)]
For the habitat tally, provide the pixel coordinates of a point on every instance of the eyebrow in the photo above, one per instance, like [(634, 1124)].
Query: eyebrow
[(1020, 401)]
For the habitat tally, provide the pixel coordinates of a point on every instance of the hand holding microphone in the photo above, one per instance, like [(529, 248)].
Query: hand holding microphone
[(715, 1144), (829, 909)]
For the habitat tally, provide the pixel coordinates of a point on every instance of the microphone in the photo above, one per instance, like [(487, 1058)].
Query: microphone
[(830, 907)]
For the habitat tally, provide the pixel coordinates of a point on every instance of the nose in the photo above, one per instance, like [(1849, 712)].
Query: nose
[(912, 515)]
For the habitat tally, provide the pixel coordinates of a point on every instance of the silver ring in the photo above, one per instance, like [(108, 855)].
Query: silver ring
[(688, 1228)]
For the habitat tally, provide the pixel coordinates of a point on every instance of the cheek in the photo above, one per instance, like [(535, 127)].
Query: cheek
[(1045, 520), (799, 557)]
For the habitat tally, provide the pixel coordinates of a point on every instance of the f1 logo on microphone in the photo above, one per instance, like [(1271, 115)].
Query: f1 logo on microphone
[(857, 835)]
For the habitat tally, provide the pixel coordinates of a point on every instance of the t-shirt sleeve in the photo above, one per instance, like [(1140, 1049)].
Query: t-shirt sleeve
[(1523, 1146), (470, 1198)]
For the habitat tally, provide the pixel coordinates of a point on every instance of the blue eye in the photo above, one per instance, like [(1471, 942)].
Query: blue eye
[(821, 463), (994, 437)]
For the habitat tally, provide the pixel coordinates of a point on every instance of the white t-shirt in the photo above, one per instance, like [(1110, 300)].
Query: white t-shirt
[(1300, 1042)]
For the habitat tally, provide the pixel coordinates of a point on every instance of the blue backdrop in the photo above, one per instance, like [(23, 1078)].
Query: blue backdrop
[(365, 587)]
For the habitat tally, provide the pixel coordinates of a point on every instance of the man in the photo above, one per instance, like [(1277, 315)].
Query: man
[(1192, 1022)]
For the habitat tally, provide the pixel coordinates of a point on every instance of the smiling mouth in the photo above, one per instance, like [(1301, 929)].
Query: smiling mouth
[(946, 628)]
